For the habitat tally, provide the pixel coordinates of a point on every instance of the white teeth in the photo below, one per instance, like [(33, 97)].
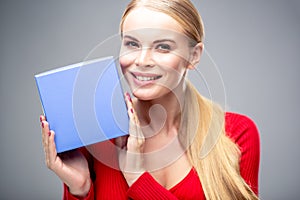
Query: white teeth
[(143, 78)]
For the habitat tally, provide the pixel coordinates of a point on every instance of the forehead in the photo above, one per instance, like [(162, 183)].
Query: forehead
[(144, 18)]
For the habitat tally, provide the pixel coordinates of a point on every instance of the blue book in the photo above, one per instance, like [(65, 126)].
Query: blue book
[(83, 103)]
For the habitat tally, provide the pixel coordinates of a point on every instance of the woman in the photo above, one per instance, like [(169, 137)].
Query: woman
[(180, 145)]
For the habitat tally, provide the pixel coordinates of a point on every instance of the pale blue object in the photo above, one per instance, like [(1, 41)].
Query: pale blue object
[(83, 103)]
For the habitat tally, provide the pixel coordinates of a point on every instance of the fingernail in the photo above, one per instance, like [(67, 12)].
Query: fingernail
[(49, 133), (41, 119), (129, 97), (131, 110), (43, 124)]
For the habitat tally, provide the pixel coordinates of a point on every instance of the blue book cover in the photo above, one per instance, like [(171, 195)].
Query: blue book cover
[(83, 103)]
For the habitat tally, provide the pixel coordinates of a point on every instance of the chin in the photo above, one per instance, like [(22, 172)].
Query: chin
[(150, 93), (143, 96)]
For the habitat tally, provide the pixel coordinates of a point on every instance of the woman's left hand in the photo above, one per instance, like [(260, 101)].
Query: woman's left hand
[(131, 154)]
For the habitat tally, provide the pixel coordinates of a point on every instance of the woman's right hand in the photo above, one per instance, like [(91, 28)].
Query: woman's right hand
[(71, 167), (131, 160)]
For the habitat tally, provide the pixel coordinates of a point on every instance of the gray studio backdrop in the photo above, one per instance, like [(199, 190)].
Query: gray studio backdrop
[(255, 45)]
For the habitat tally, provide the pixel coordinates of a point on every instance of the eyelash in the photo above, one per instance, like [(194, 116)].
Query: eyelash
[(132, 44), (163, 48)]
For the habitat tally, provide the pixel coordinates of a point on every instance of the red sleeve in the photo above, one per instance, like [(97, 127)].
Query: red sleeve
[(245, 134), (66, 193), (68, 196), (146, 187)]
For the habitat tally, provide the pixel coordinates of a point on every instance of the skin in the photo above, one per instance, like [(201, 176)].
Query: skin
[(159, 51), (163, 53), (72, 169)]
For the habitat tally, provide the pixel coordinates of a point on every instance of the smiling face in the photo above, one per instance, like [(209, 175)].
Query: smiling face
[(155, 53)]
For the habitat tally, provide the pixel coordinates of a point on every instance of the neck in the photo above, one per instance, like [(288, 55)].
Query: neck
[(163, 113)]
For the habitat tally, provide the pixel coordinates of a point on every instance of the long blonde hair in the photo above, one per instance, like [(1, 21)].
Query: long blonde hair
[(214, 155), (217, 167)]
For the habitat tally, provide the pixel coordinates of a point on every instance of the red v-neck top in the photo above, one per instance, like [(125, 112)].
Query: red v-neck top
[(111, 184)]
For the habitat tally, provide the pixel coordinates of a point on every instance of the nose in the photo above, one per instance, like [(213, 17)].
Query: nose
[(144, 58)]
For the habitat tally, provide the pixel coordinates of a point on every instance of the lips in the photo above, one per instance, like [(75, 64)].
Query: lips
[(146, 77)]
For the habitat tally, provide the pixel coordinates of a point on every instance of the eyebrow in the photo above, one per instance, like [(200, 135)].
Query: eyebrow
[(155, 42), (164, 40), (130, 37)]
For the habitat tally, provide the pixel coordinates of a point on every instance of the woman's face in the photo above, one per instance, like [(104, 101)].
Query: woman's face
[(155, 53)]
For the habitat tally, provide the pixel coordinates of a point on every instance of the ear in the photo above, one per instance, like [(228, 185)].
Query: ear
[(195, 55)]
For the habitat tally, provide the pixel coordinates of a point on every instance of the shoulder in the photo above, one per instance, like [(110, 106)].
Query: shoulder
[(237, 124), (238, 121), (242, 130)]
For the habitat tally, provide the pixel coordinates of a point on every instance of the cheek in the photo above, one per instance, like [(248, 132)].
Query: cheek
[(171, 62), (126, 61)]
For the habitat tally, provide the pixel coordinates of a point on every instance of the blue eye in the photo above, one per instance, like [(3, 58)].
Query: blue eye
[(163, 47), (132, 44)]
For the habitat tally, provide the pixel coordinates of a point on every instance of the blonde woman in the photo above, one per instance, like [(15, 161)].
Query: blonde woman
[(180, 144)]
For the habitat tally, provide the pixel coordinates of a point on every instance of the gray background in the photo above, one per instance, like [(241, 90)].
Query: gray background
[(255, 44)]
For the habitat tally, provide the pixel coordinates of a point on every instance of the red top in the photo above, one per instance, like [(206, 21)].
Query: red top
[(110, 183)]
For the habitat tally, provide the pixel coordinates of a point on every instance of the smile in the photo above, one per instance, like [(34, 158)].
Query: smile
[(146, 78)]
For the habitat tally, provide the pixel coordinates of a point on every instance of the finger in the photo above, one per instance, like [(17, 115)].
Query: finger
[(133, 159), (121, 141), (45, 134), (135, 129), (128, 99), (52, 153), (42, 118), (131, 114), (136, 139), (129, 104), (45, 131), (130, 110)]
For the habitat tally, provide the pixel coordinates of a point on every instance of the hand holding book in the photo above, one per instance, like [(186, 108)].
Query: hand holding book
[(71, 167), (131, 155), (84, 105)]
